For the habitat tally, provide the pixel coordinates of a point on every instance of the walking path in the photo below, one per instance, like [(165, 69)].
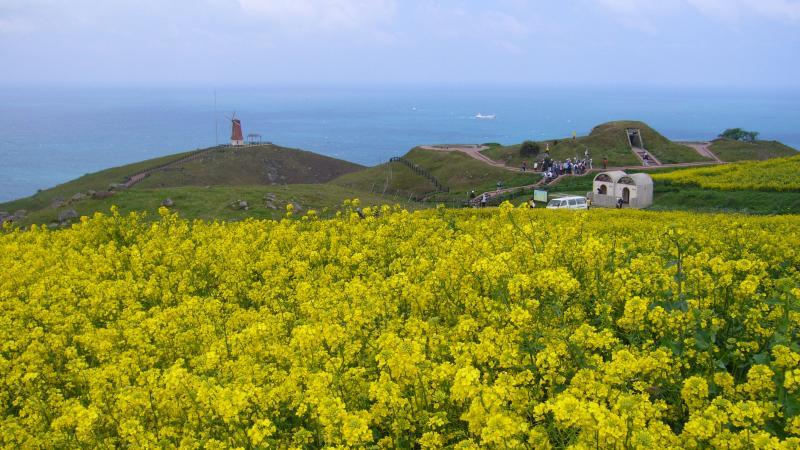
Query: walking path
[(472, 150), (703, 149), (138, 177)]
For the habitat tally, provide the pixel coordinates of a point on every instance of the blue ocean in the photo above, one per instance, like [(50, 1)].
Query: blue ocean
[(51, 135)]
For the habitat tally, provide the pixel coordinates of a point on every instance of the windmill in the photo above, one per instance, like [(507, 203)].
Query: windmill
[(237, 138)]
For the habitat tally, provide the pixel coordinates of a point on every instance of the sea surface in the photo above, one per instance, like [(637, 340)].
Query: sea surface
[(52, 135)]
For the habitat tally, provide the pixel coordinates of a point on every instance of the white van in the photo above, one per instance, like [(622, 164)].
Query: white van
[(568, 203)]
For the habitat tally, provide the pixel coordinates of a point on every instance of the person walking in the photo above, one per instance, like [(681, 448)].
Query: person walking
[(605, 163), (484, 198)]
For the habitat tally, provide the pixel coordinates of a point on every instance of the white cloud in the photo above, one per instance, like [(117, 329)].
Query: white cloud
[(325, 14), (777, 9), (723, 10)]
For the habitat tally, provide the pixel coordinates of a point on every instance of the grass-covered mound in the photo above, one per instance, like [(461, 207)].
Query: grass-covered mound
[(778, 174), (730, 150), (608, 140), (457, 171), (252, 165), (509, 328)]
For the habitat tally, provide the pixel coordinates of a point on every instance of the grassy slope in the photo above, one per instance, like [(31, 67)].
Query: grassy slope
[(246, 166), (265, 164), (455, 170), (215, 202), (98, 181), (730, 150), (607, 140)]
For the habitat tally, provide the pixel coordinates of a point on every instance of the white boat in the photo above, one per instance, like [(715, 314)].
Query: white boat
[(485, 116)]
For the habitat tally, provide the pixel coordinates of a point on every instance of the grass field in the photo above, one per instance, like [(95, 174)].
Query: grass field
[(730, 150), (215, 202), (605, 141)]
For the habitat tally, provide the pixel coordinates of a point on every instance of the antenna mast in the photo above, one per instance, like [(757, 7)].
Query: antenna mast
[(216, 125)]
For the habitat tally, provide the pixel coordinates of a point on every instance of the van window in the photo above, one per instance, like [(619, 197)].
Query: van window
[(555, 203), (581, 201), (572, 202)]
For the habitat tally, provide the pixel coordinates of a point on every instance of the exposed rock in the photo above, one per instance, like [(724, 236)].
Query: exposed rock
[(67, 215), (116, 186), (5, 217), (102, 194), (168, 203), (58, 203), (78, 197), (297, 206), (91, 193), (271, 197), (20, 214), (243, 205), (268, 204)]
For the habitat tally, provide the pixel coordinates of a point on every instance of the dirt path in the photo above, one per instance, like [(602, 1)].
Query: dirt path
[(138, 177), (473, 151), (703, 149)]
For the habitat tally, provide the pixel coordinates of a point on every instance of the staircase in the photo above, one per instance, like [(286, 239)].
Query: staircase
[(645, 157), (421, 172)]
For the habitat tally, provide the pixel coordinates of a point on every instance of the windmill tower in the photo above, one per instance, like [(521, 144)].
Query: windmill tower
[(237, 138)]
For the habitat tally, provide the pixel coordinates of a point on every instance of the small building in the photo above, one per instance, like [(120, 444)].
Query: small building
[(635, 190)]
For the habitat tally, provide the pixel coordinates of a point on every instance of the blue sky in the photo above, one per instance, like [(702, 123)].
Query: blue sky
[(211, 42)]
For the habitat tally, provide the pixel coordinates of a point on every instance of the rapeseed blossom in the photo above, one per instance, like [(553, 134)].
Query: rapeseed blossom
[(381, 328)]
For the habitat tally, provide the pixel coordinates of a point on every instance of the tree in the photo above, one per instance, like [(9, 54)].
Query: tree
[(738, 134), (529, 148)]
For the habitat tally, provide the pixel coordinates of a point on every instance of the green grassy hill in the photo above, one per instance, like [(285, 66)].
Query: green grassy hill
[(457, 171), (221, 167), (730, 150), (262, 164), (608, 140), (98, 181)]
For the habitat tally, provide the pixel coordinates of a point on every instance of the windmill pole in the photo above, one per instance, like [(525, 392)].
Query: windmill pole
[(216, 124)]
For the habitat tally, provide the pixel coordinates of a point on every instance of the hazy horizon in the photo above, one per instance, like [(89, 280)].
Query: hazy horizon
[(667, 43)]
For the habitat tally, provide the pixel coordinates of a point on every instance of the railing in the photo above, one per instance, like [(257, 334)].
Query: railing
[(421, 172), (496, 199)]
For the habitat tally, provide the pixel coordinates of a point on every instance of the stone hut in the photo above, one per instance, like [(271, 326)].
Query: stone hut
[(635, 190)]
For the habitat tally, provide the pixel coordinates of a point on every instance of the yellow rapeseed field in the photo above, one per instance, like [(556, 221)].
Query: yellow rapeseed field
[(778, 174), (507, 328)]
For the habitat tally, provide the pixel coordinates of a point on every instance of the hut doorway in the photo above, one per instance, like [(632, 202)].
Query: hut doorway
[(603, 190), (626, 195)]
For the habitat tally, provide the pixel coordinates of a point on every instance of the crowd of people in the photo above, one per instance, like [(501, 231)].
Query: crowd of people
[(552, 169)]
